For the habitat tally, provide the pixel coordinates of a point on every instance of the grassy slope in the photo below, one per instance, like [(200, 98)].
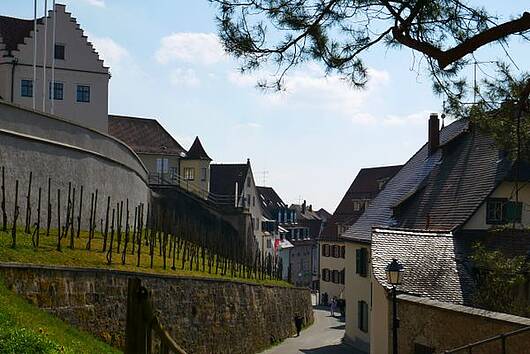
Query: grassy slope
[(26, 329), (80, 257)]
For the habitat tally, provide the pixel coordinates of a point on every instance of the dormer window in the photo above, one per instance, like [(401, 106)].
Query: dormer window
[(59, 51)]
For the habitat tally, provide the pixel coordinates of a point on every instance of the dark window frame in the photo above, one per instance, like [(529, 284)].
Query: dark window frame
[(83, 94), (26, 88), (59, 52), (58, 91)]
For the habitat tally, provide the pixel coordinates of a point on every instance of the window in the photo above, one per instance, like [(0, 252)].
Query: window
[(361, 261), (253, 200), (26, 88), (248, 200), (58, 91), (335, 276), (325, 250), (343, 252), (248, 182), (269, 243), (59, 51), (189, 173), (83, 93), (362, 316), (325, 274), (422, 349), (204, 173), (162, 165), (342, 274), (501, 211)]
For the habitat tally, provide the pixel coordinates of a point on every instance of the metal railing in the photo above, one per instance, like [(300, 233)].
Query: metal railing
[(143, 321), (173, 179), (501, 337)]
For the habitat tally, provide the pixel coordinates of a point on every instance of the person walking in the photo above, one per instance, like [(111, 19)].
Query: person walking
[(298, 321), (333, 306)]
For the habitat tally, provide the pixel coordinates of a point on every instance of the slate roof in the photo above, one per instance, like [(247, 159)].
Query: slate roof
[(223, 178), (14, 30), (470, 169), (144, 135), (364, 186), (270, 202), (196, 151), (435, 263), (408, 180)]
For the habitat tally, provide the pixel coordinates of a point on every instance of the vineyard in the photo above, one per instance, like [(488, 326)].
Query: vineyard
[(160, 237)]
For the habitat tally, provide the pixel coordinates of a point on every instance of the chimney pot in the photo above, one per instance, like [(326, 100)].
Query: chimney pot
[(434, 133)]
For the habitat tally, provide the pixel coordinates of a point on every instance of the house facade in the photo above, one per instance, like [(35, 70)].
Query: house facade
[(366, 185), (80, 88), (449, 195), (234, 185), (195, 170)]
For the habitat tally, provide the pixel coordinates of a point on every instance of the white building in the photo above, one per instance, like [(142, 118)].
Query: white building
[(80, 92)]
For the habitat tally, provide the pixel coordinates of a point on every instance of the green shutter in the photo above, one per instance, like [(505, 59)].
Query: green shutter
[(360, 315), (513, 211), (365, 316), (358, 261), (364, 262)]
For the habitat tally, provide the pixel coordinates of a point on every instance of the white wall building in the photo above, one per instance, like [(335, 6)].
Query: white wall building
[(80, 92)]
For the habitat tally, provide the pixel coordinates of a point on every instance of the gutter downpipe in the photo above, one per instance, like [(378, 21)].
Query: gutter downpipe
[(14, 63)]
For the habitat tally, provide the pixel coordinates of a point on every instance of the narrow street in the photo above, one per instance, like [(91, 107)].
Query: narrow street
[(323, 337)]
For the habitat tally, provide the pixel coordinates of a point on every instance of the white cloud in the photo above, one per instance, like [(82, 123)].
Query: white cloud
[(111, 52), (202, 48), (418, 118), (98, 3), (184, 77), (310, 89)]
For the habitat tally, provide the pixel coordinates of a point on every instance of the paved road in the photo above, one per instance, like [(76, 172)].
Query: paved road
[(323, 337)]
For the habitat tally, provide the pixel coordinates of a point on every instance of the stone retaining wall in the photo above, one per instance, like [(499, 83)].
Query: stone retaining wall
[(203, 315)]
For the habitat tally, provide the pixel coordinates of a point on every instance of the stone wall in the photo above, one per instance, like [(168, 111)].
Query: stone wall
[(444, 326), (203, 315), (50, 147)]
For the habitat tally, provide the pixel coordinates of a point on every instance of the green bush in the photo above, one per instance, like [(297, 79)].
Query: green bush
[(17, 340)]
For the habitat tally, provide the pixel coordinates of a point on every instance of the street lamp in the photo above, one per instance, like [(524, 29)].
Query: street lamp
[(394, 276)]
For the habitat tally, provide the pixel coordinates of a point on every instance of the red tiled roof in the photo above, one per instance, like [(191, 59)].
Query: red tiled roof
[(196, 151), (144, 135)]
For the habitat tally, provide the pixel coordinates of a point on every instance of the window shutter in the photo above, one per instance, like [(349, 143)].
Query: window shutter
[(358, 261), (513, 211), (364, 262), (360, 315), (343, 252), (365, 316)]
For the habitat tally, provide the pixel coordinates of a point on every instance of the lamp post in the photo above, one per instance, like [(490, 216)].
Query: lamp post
[(394, 276)]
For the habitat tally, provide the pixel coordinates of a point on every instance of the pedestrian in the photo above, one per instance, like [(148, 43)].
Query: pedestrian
[(333, 306), (298, 321)]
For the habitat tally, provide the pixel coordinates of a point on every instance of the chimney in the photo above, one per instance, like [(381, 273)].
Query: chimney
[(303, 207), (434, 133)]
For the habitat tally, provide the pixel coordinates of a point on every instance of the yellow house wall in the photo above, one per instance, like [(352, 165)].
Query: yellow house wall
[(198, 185), (505, 190), (149, 161), (331, 263), (379, 320), (357, 289)]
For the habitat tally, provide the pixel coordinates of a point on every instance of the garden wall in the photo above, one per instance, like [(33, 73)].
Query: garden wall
[(444, 326), (203, 315)]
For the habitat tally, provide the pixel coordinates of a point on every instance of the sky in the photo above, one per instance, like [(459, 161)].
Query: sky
[(308, 142)]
